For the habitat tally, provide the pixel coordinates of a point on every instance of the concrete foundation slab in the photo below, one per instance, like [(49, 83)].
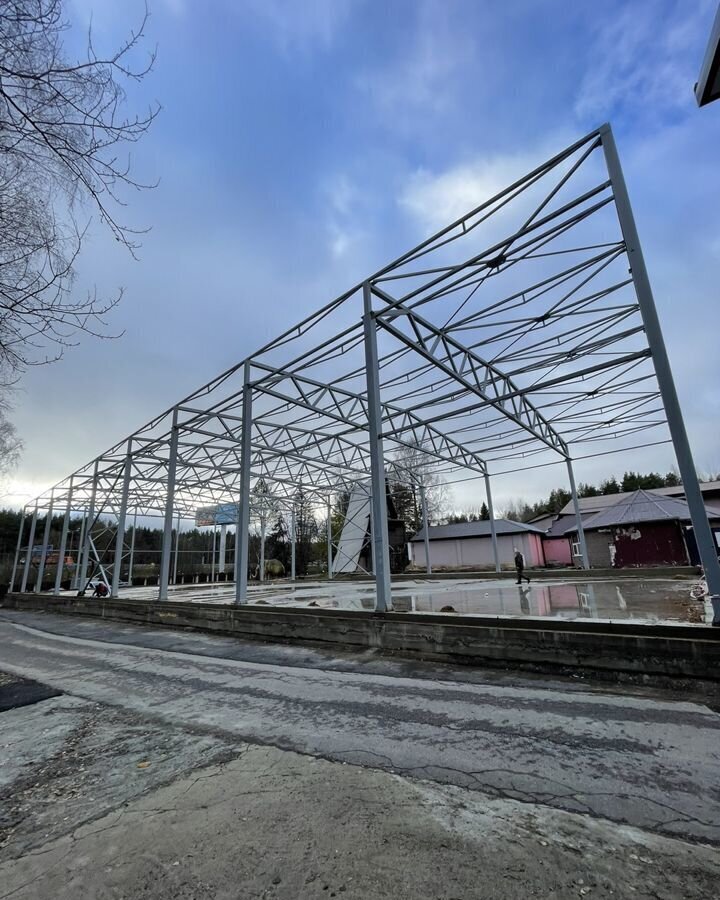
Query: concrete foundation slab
[(642, 598)]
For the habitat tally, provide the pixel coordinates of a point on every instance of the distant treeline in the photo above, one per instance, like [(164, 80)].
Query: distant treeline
[(522, 511), (196, 546)]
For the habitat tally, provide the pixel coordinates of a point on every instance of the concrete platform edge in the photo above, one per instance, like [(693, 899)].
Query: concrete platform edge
[(665, 651)]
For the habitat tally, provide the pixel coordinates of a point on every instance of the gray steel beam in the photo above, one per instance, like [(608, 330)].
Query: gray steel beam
[(243, 527), (212, 554), (88, 530), (81, 543), (493, 530), (28, 554), (132, 549), (177, 550), (703, 533), (223, 544), (349, 408), (578, 517), (169, 512), (17, 550), (120, 536), (43, 552), (329, 540), (380, 540), (426, 528), (63, 542), (292, 545), (484, 379), (262, 547)]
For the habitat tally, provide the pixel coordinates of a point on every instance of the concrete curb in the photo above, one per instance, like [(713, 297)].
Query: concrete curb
[(667, 651)]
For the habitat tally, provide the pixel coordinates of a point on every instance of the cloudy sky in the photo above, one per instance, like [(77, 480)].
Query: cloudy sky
[(303, 144)]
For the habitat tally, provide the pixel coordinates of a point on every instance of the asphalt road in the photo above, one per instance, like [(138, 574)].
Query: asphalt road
[(646, 760)]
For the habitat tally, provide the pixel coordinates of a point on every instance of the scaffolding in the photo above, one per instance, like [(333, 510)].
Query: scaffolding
[(523, 332)]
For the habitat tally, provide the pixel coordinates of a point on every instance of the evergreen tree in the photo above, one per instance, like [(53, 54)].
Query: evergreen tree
[(406, 500), (587, 490), (306, 531), (557, 499), (630, 482), (278, 543)]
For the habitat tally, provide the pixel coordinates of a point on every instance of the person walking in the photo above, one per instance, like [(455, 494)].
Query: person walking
[(520, 566)]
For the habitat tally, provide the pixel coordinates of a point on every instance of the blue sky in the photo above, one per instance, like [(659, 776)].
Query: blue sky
[(303, 144)]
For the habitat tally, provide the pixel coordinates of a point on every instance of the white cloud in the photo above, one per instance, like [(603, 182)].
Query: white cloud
[(434, 199), (344, 210), (294, 25), (640, 59), (340, 241), (343, 195), (422, 77)]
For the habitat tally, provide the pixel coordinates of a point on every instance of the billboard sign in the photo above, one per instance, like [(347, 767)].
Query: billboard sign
[(224, 514)]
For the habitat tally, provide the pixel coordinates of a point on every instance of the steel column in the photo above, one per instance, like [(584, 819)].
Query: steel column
[(380, 543), (82, 575), (63, 541), (132, 549), (177, 550), (262, 547), (578, 517), (243, 527), (212, 554), (169, 510), (81, 539), (292, 545), (493, 530), (426, 529), (120, 536), (223, 544), (46, 538), (28, 555), (703, 533), (329, 540), (17, 550)]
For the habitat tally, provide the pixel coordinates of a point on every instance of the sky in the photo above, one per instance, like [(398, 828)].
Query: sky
[(301, 145)]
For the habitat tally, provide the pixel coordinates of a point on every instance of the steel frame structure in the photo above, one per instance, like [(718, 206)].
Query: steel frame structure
[(523, 331)]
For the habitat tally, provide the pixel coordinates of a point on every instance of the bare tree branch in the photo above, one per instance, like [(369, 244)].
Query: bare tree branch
[(10, 445), (62, 135)]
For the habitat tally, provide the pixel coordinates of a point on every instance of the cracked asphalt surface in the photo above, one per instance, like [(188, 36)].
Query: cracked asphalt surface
[(649, 762)]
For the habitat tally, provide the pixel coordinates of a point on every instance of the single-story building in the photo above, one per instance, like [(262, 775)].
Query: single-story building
[(556, 544), (710, 491), (643, 528), (469, 545)]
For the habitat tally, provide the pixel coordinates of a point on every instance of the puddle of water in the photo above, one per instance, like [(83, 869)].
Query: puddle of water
[(652, 601), (642, 600)]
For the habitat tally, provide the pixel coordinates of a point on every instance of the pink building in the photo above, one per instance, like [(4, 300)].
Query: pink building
[(469, 545), (556, 543)]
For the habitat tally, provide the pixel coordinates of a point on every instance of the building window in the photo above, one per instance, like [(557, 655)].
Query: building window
[(576, 548)]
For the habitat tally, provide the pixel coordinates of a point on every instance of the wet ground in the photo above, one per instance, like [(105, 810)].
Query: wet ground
[(185, 766), (645, 599)]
